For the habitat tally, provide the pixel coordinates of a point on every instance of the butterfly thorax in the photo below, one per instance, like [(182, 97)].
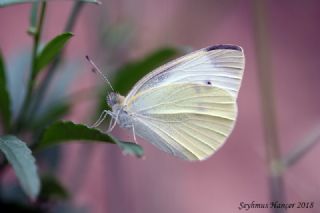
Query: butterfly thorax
[(119, 113)]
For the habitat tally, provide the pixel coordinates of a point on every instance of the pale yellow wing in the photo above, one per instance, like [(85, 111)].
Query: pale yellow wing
[(220, 65), (187, 120)]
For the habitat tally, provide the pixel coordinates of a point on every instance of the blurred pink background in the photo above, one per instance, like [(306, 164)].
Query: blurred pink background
[(103, 180)]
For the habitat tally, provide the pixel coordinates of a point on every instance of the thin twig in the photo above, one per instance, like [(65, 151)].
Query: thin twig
[(268, 104), (74, 15), (302, 148)]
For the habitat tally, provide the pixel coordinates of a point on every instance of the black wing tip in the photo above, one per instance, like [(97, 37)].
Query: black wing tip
[(224, 47)]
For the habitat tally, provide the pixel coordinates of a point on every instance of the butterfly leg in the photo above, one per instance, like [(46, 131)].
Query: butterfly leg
[(112, 125), (134, 135), (101, 119)]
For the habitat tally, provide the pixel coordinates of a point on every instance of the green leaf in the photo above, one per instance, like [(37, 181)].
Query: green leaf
[(129, 148), (128, 75), (51, 50), (67, 131), (23, 163), (4, 3), (52, 189), (62, 131), (4, 96)]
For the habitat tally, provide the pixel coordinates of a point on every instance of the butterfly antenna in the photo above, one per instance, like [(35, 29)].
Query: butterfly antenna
[(96, 69)]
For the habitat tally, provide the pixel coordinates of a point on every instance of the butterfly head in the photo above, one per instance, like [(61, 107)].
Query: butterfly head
[(114, 99)]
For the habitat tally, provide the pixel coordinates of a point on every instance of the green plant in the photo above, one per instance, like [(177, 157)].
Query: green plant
[(31, 126)]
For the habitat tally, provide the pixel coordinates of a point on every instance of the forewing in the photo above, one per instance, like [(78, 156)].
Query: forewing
[(187, 120), (221, 66)]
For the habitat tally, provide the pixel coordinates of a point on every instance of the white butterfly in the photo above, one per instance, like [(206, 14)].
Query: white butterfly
[(186, 107)]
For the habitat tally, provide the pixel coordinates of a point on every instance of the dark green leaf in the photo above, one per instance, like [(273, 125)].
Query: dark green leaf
[(23, 163), (66, 131), (51, 50), (128, 75), (4, 3), (4, 96), (52, 189)]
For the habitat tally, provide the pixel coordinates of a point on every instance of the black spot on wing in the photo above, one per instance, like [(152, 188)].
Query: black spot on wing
[(224, 47)]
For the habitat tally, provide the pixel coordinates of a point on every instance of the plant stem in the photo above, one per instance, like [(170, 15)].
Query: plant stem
[(74, 15), (302, 148), (36, 41), (37, 37), (51, 70), (268, 105)]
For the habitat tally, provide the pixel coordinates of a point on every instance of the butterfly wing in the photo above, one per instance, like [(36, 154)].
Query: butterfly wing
[(221, 66), (187, 120)]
